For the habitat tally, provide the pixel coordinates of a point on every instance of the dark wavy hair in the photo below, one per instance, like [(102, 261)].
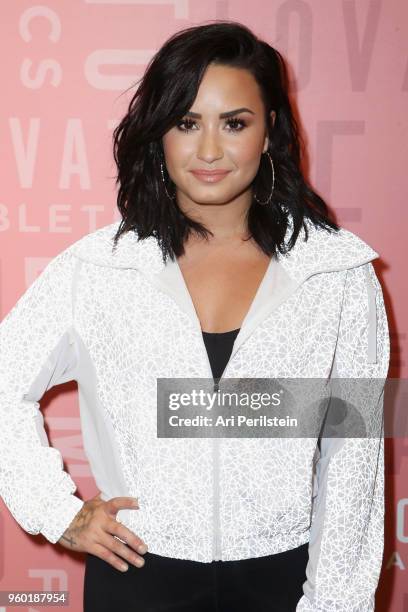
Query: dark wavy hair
[(166, 92)]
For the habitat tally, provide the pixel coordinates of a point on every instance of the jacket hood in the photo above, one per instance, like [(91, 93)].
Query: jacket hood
[(322, 252)]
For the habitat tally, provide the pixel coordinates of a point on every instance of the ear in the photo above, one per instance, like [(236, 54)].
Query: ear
[(272, 122)]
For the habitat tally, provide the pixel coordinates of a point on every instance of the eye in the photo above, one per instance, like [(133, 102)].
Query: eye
[(187, 122), (237, 125)]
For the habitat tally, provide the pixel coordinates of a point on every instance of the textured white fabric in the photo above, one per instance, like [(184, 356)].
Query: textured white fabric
[(117, 321)]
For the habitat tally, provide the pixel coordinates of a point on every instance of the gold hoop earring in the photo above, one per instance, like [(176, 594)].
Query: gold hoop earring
[(273, 183)]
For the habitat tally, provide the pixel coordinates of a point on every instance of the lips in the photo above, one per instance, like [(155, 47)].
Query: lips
[(210, 176), (210, 172)]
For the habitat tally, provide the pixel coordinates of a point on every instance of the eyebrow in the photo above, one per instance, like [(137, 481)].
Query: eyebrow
[(222, 115)]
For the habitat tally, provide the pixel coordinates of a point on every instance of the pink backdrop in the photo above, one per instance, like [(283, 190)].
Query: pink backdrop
[(64, 65)]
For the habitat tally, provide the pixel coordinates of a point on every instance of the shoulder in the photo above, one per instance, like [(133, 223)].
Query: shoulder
[(325, 250), (98, 247), (344, 245), (96, 240), (94, 244)]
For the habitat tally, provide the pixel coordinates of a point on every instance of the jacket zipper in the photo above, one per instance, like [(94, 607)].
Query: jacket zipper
[(216, 442), (216, 548)]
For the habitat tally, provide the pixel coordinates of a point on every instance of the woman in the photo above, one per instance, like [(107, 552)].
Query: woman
[(224, 265)]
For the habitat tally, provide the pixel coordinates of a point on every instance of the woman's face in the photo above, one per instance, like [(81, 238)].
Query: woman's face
[(204, 140)]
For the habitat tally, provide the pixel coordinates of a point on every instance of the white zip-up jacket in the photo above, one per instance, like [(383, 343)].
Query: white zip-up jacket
[(115, 321)]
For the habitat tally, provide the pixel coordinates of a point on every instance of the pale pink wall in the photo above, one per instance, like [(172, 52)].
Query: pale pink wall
[(64, 64)]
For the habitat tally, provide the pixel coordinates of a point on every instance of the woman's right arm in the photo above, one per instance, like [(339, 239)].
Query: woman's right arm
[(36, 353)]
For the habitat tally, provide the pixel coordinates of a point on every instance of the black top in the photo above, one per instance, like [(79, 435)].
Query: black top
[(219, 348)]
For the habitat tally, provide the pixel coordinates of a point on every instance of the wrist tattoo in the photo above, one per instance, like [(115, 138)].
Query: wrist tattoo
[(69, 539)]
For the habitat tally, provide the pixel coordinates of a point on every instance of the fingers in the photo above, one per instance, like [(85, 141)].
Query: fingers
[(117, 503), (130, 538), (116, 551), (107, 555)]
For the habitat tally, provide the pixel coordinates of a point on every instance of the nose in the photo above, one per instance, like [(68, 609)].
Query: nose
[(209, 147)]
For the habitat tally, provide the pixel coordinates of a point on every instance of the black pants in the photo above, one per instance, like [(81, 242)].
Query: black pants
[(265, 584)]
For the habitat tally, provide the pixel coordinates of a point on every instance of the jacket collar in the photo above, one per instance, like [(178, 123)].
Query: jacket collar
[(322, 252)]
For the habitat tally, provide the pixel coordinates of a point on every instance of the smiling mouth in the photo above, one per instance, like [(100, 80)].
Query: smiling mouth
[(211, 176)]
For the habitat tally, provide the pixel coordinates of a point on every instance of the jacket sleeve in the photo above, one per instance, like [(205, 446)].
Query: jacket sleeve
[(347, 531), (36, 353)]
